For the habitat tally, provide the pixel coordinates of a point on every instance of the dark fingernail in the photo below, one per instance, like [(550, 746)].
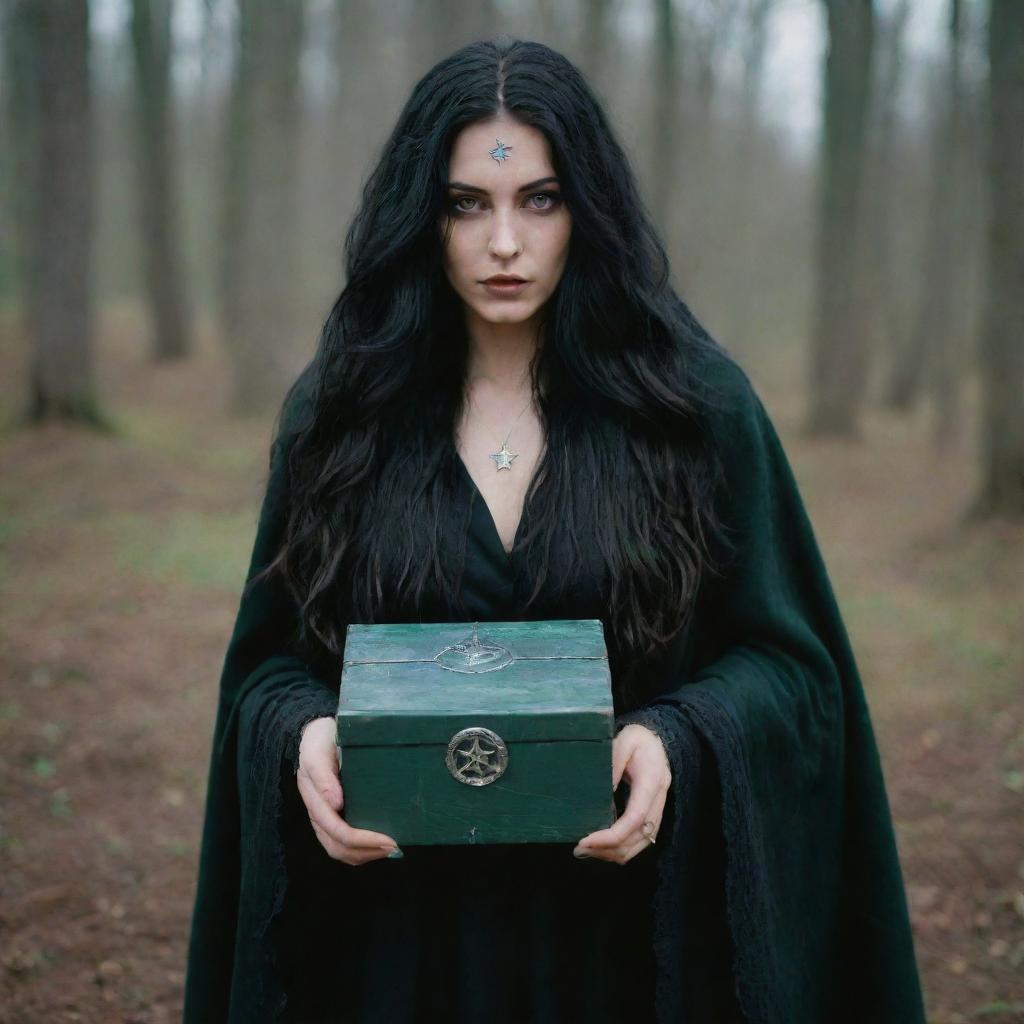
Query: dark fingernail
[(396, 854)]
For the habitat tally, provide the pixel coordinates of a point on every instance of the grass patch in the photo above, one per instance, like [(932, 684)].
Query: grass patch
[(209, 552), (232, 449)]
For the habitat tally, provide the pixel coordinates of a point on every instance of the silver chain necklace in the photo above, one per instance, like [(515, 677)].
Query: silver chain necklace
[(503, 458)]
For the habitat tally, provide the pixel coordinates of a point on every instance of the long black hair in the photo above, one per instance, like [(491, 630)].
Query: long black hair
[(625, 485)]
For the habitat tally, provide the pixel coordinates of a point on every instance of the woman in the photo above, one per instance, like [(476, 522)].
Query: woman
[(574, 445)]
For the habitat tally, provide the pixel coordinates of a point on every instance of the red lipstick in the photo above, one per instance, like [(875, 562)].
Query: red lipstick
[(505, 284)]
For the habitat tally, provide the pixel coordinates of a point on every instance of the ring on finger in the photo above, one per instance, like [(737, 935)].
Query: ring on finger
[(647, 830)]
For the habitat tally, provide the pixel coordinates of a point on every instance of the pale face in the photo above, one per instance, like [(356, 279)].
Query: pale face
[(506, 217)]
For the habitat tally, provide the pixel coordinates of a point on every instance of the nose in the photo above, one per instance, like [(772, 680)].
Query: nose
[(504, 242)]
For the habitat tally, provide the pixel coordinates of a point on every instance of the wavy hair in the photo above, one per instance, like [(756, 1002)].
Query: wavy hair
[(624, 489)]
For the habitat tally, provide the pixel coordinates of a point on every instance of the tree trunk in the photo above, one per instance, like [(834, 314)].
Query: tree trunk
[(667, 150), (597, 42), (840, 355), (60, 218), (259, 199), (886, 313), (151, 44), (1002, 455), (743, 314), (21, 101), (930, 356), (947, 359), (754, 47)]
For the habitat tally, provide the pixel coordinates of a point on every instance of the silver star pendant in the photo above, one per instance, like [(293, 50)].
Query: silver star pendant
[(504, 457)]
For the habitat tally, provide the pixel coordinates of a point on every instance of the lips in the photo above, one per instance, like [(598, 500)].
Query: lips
[(505, 279)]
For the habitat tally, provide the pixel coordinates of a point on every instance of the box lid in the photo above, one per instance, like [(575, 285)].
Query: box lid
[(527, 680)]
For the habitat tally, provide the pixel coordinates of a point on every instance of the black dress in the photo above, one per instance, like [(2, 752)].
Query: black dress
[(486, 933)]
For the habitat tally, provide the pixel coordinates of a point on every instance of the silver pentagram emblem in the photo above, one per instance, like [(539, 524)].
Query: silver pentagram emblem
[(474, 654), (476, 756)]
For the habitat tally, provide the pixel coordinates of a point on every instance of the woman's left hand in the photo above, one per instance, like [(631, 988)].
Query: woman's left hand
[(639, 756)]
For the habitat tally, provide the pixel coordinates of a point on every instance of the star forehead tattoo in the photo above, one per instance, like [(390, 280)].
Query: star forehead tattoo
[(500, 152)]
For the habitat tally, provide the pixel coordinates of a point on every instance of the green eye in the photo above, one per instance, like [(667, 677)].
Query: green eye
[(554, 198)]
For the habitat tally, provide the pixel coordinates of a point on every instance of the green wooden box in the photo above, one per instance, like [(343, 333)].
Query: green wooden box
[(494, 732)]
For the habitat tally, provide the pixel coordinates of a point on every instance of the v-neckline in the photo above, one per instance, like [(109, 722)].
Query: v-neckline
[(479, 496)]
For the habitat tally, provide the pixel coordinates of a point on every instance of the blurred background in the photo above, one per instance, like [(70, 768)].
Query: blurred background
[(840, 185)]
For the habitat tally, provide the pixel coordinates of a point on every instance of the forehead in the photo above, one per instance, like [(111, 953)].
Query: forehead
[(529, 155)]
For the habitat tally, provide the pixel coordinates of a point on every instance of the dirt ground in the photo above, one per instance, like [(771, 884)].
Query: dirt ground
[(121, 561)]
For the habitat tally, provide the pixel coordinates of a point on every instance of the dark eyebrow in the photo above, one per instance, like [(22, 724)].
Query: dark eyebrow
[(462, 186)]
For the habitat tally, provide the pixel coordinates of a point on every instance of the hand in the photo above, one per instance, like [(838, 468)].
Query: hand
[(321, 792), (639, 756)]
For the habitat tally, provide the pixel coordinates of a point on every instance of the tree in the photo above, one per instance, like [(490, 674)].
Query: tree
[(1002, 343), (931, 353), (666, 147), (48, 68), (749, 135), (259, 200), (151, 45), (839, 357), (597, 39), (884, 181)]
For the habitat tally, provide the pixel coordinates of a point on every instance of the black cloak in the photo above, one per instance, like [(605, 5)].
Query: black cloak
[(773, 894)]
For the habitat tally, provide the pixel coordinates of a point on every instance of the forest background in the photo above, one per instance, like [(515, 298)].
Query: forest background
[(840, 186)]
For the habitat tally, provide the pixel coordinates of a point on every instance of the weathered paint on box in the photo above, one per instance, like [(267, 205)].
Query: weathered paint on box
[(551, 705)]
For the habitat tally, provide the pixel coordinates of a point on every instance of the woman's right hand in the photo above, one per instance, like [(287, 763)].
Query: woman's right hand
[(321, 792)]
